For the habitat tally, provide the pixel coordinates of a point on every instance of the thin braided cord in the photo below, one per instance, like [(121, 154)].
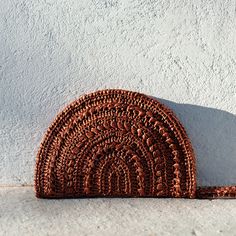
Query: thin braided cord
[(213, 192)]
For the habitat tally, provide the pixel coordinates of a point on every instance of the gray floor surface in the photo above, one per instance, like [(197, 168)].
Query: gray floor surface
[(23, 214)]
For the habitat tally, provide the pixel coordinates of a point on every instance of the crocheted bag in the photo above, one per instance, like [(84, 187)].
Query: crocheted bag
[(117, 143)]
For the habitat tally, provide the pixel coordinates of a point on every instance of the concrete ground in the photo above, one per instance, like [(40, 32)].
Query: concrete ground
[(23, 214)]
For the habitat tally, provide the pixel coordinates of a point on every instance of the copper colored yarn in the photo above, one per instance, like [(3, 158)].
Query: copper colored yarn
[(118, 143)]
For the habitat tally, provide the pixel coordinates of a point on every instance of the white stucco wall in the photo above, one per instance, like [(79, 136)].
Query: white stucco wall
[(183, 52)]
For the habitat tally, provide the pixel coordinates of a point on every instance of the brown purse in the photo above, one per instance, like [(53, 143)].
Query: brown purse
[(117, 143)]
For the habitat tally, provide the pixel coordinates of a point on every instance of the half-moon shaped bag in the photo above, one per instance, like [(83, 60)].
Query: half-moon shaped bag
[(117, 143)]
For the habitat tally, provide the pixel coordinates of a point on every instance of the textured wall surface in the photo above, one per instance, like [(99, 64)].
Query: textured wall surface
[(182, 52)]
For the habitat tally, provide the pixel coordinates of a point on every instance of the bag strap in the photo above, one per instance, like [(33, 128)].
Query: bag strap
[(213, 192)]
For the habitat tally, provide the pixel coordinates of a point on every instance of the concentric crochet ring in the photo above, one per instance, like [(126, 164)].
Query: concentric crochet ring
[(115, 143)]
